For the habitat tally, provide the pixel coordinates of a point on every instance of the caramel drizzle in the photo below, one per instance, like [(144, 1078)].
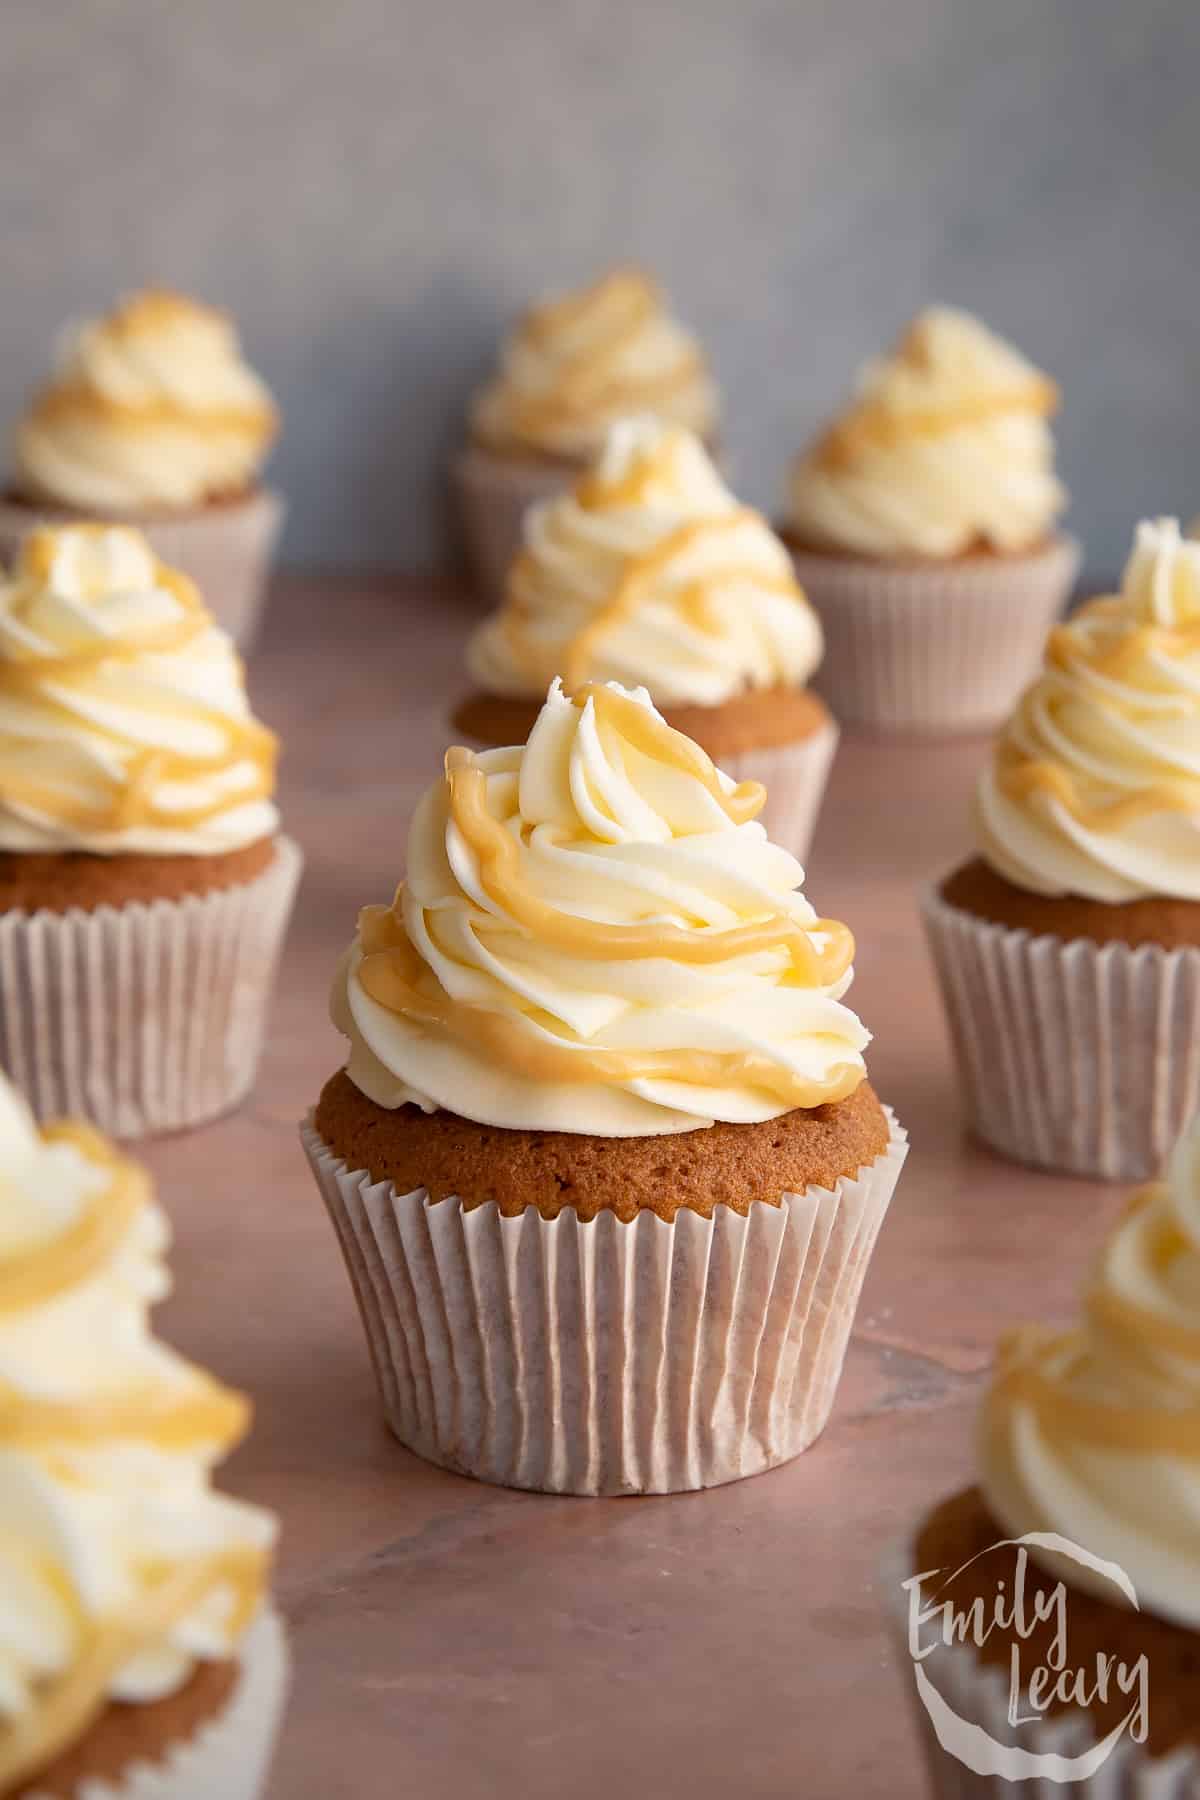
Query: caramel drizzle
[(1113, 658), (642, 578), (394, 975), (32, 1278), (130, 801), (875, 425), (70, 1705), (1037, 1369), (591, 378)]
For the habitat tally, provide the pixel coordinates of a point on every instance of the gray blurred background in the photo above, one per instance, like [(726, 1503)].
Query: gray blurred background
[(376, 186)]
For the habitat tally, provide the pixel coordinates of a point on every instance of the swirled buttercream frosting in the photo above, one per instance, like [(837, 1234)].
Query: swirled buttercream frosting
[(1094, 787), (596, 935), (945, 449), (124, 723), (120, 1565), (649, 573), (580, 361), (151, 407), (1094, 1433)]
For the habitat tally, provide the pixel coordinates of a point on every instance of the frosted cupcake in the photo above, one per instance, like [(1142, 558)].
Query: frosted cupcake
[(573, 366), (1092, 1435), (923, 523), (139, 1656), (604, 1162), (649, 573), (144, 885), (1068, 948), (152, 418)]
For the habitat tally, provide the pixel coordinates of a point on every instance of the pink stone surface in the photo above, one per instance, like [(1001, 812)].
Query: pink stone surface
[(459, 1640)]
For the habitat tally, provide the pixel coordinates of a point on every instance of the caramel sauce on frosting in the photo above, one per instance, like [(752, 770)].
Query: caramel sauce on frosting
[(150, 407), (650, 573), (1095, 1432), (944, 449), (596, 932), (123, 715), (578, 362), (96, 1419), (1094, 788)]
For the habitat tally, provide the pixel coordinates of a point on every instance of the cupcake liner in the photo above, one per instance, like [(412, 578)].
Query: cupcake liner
[(1078, 1057), (977, 1695), (228, 1757), (794, 776), (145, 1017), (225, 548), (606, 1357), (492, 495), (934, 647)]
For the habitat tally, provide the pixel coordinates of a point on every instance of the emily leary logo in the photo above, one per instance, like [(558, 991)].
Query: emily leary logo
[(1035, 1604)]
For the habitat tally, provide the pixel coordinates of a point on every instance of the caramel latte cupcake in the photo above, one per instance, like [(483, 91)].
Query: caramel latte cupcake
[(1088, 1499), (1068, 948), (144, 885), (573, 366), (152, 418), (139, 1656), (604, 1162), (923, 524), (649, 573)]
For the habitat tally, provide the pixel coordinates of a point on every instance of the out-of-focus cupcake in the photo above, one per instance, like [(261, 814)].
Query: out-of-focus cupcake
[(649, 573), (144, 886), (1068, 948), (572, 367), (604, 1164), (152, 418), (139, 1655), (923, 524), (1073, 1568)]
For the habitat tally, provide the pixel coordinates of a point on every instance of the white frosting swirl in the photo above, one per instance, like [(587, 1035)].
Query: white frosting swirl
[(150, 407), (124, 723), (1095, 1433), (650, 574), (595, 935), (946, 449), (580, 361), (107, 1442), (1094, 788)]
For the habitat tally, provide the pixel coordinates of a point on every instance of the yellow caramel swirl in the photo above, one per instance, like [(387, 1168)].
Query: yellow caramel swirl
[(596, 935), (1094, 788), (1095, 1433), (649, 574), (124, 724), (577, 363), (120, 1566), (946, 449), (150, 408)]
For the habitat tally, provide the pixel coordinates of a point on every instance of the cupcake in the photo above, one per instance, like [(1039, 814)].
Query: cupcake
[(604, 1163), (1073, 1568), (1068, 948), (139, 1656), (152, 418), (144, 886), (648, 573), (573, 366), (923, 528)]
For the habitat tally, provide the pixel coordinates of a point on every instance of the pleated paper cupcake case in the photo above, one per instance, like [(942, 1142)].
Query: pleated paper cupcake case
[(934, 647), (147, 1017), (1077, 1057), (606, 1358), (795, 777)]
